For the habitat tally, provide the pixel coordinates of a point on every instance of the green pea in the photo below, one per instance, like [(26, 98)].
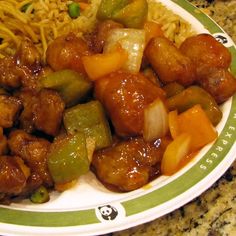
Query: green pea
[(25, 7), (40, 195), (74, 10)]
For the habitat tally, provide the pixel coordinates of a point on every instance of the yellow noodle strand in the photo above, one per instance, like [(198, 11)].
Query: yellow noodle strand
[(14, 12), (9, 32), (4, 45), (44, 42), (31, 33)]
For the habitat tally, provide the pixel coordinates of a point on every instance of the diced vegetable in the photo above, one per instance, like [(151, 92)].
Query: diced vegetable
[(40, 195), (131, 14), (152, 30), (173, 89), (132, 41), (90, 145), (90, 119), (98, 65), (155, 121), (74, 9), (195, 122), (71, 85), (174, 153), (173, 123), (67, 158), (108, 7), (192, 96)]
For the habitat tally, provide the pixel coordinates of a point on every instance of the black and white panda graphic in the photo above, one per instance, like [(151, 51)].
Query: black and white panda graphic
[(108, 212), (224, 39)]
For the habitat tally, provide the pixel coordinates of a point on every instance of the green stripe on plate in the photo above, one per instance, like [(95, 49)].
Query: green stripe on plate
[(197, 173), (233, 63), (48, 219), (210, 160), (200, 170), (210, 25)]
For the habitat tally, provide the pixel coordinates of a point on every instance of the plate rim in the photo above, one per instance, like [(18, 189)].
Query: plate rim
[(130, 210)]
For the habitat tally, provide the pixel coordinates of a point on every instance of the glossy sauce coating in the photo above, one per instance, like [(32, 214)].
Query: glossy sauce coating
[(33, 152), (220, 83), (205, 51), (65, 52), (130, 164), (12, 179), (125, 95), (212, 61), (169, 63)]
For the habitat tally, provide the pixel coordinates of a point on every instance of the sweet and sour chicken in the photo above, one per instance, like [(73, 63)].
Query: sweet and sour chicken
[(56, 122)]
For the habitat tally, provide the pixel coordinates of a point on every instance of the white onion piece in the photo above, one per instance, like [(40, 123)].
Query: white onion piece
[(155, 121), (133, 41), (90, 145)]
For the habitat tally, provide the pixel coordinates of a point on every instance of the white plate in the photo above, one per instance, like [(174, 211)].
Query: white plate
[(81, 210)]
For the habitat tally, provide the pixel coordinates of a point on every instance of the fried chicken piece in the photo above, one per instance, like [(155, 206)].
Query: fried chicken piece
[(169, 63), (205, 52), (42, 111), (33, 152), (12, 178), (28, 55), (212, 61), (10, 74), (220, 83), (65, 52), (28, 99), (14, 75), (10, 108), (97, 38), (124, 96), (129, 164), (48, 111)]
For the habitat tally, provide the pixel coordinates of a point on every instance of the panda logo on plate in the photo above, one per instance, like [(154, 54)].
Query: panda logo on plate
[(224, 39), (110, 212)]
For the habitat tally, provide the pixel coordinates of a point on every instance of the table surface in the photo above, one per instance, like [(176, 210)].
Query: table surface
[(213, 213)]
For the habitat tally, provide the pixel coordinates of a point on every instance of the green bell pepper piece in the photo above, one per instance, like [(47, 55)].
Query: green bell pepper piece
[(71, 85), (173, 89), (195, 95), (132, 15), (108, 7), (68, 159), (90, 119)]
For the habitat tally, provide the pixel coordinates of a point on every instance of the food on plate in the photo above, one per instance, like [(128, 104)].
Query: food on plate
[(212, 68), (129, 164), (124, 96), (179, 68), (125, 89), (193, 95)]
